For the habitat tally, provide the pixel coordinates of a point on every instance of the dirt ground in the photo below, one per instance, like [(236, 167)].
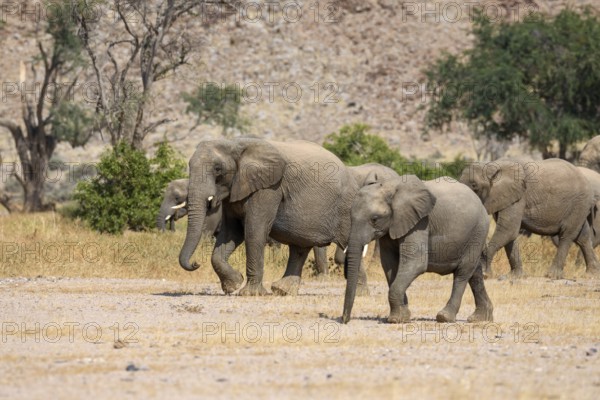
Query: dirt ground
[(117, 338)]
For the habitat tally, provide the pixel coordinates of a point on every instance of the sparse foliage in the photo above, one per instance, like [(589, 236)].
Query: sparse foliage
[(128, 189), (354, 146), (538, 79), (44, 116), (217, 105)]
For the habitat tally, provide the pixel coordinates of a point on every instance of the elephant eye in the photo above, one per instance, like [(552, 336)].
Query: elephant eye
[(218, 169), (374, 219)]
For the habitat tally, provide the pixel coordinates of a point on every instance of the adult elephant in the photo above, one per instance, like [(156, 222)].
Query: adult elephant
[(593, 179), (436, 226), (297, 192), (174, 207), (549, 197), (590, 155)]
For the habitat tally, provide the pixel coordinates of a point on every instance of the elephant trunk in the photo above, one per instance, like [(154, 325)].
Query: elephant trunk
[(161, 220), (351, 269), (196, 217)]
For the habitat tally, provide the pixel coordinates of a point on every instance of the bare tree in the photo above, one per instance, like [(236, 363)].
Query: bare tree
[(141, 50), (59, 64)]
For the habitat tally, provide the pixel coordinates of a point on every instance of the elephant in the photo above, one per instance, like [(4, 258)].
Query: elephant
[(173, 207), (590, 155), (366, 174), (549, 197), (594, 217), (434, 226), (296, 192)]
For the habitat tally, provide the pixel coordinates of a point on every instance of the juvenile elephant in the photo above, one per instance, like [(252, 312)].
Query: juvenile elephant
[(366, 174), (296, 192), (549, 197), (173, 207), (436, 226), (590, 155)]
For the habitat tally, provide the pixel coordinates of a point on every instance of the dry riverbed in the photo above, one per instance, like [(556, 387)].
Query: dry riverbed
[(124, 338)]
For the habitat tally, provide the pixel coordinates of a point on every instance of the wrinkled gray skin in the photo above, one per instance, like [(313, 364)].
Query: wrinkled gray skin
[(176, 194), (296, 192), (436, 226), (366, 174), (549, 197), (590, 155), (594, 217)]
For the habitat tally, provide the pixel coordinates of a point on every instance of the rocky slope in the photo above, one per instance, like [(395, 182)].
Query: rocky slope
[(366, 58)]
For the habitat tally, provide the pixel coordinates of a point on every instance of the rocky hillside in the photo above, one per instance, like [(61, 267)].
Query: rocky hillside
[(306, 68)]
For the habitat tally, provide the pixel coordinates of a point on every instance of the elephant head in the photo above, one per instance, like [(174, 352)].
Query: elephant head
[(391, 208), (498, 184), (174, 203), (226, 171), (590, 155)]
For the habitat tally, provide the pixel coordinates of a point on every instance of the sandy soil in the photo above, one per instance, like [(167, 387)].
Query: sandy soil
[(111, 338)]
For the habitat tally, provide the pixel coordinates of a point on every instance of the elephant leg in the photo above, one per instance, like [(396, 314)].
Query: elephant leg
[(459, 284), (390, 259), (227, 240), (261, 210), (172, 224), (514, 259), (290, 283), (508, 223), (321, 260), (584, 241), (483, 305), (340, 256), (558, 263), (412, 263)]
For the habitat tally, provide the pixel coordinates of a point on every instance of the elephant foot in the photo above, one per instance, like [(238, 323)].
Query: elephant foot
[(286, 286), (323, 277), (446, 315), (362, 289), (231, 285), (488, 274), (400, 316), (554, 273), (516, 273), (253, 289), (593, 273), (481, 315)]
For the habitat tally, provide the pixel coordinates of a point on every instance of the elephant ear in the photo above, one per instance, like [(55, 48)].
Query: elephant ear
[(260, 166), (507, 186), (411, 202)]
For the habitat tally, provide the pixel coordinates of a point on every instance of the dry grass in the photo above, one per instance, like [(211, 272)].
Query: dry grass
[(190, 340), (48, 244)]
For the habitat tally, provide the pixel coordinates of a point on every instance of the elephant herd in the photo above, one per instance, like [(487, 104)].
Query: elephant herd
[(253, 191)]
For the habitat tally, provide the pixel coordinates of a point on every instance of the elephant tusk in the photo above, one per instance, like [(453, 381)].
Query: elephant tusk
[(167, 217), (210, 198), (179, 206), (345, 250), (365, 250)]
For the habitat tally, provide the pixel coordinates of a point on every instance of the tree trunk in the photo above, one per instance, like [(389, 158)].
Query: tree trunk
[(562, 150)]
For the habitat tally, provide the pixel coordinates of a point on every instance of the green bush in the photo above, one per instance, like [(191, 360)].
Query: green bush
[(128, 189), (354, 146)]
